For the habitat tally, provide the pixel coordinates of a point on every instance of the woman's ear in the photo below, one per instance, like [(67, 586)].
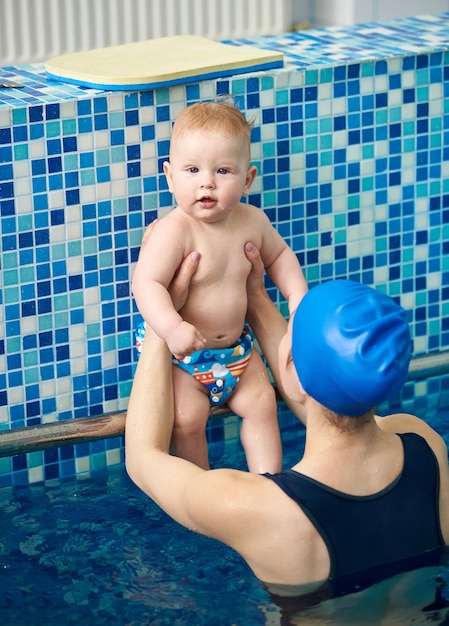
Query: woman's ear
[(302, 392), (296, 390), (289, 378)]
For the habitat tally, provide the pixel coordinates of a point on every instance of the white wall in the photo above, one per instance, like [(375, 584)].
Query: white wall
[(344, 12), (33, 31)]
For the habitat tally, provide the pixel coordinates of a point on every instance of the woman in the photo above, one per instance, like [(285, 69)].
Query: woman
[(351, 455)]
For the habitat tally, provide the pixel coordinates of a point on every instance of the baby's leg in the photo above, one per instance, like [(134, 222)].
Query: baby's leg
[(254, 400), (192, 408)]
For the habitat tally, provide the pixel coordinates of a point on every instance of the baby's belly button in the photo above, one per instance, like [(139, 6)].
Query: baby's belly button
[(222, 340)]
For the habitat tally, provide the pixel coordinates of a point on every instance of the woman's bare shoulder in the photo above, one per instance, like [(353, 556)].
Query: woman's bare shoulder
[(408, 423)]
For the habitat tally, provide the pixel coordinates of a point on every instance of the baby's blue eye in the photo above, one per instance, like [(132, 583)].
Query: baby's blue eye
[(193, 170), (223, 170)]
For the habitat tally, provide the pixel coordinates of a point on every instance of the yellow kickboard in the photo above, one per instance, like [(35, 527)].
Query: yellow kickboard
[(159, 62)]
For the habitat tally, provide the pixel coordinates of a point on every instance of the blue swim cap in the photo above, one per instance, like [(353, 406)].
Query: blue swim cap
[(351, 346)]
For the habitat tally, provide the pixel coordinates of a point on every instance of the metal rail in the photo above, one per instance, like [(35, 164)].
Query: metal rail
[(66, 432), (84, 429)]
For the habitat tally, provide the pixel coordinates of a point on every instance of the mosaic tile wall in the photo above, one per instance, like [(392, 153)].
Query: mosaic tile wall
[(351, 140)]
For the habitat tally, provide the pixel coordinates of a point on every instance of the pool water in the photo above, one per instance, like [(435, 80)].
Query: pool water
[(98, 551), (95, 550)]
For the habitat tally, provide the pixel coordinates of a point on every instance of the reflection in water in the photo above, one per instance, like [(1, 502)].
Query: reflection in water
[(416, 597)]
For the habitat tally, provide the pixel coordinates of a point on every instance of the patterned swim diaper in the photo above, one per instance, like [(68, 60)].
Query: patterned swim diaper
[(218, 369)]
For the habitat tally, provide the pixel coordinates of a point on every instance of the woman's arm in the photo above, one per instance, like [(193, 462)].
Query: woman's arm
[(168, 480), (241, 509), (281, 264), (267, 323), (150, 414), (286, 273)]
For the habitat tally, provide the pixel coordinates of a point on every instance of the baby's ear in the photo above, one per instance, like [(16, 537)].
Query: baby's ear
[(250, 176), (168, 175)]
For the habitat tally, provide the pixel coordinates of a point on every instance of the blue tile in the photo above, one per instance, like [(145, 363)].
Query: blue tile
[(80, 256)]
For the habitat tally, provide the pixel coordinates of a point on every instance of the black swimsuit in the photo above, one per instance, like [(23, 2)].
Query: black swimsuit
[(373, 537)]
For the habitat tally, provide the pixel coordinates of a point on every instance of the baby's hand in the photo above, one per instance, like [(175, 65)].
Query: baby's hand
[(184, 340)]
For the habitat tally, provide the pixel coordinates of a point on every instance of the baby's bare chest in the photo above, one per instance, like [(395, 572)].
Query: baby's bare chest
[(223, 258)]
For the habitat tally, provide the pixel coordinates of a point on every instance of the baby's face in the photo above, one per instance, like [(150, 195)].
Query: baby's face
[(208, 174)]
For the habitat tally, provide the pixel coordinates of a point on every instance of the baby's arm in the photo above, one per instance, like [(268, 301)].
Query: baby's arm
[(181, 337), (158, 261)]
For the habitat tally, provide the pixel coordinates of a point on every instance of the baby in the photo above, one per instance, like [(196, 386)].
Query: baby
[(214, 361)]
